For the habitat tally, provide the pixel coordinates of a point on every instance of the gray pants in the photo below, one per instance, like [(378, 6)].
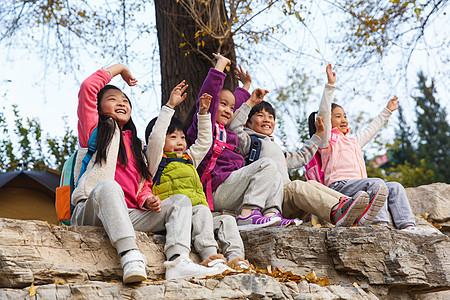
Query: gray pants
[(106, 207), (397, 202), (256, 186), (227, 233), (202, 231)]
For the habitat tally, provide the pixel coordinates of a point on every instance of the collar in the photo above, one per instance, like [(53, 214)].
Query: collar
[(336, 130)]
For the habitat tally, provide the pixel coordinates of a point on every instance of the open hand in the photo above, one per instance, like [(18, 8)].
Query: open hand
[(257, 97), (205, 102), (127, 77), (244, 77), (153, 203), (222, 62), (393, 104), (177, 96), (320, 127), (331, 75)]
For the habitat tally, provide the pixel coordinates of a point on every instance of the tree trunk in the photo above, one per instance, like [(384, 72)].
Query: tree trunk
[(178, 63)]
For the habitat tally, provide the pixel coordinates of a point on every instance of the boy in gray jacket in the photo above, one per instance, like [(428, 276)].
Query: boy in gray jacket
[(257, 118)]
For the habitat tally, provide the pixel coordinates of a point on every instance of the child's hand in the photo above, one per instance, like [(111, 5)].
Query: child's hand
[(177, 96), (153, 203), (243, 77), (222, 62), (204, 101), (331, 75), (257, 97), (127, 77), (320, 127), (393, 104)]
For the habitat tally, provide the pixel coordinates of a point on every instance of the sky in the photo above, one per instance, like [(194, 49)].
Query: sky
[(43, 92)]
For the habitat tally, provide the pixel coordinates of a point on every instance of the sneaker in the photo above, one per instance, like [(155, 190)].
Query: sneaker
[(184, 267), (285, 222), (348, 209), (220, 265), (243, 265), (256, 220), (373, 207), (421, 230), (133, 264)]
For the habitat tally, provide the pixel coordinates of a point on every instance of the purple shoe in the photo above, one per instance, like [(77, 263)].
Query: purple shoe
[(285, 222), (256, 220)]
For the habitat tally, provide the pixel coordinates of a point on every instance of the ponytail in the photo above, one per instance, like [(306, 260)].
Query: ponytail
[(311, 123)]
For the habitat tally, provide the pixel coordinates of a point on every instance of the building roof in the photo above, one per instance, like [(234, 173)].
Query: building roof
[(48, 179)]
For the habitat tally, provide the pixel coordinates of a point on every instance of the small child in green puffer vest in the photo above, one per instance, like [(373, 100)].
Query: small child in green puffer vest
[(173, 168)]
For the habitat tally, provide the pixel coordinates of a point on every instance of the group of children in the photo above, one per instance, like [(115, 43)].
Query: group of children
[(174, 183)]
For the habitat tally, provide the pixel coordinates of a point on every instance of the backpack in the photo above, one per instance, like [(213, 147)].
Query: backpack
[(67, 184), (255, 150), (314, 169)]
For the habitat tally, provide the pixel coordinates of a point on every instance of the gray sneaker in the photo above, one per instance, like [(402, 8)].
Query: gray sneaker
[(374, 206)]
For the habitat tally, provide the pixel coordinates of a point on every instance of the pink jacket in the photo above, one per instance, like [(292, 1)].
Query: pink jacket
[(342, 158)]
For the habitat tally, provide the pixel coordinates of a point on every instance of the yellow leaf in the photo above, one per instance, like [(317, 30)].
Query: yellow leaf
[(221, 42), (59, 282), (32, 290), (227, 68), (197, 34), (203, 43), (182, 45)]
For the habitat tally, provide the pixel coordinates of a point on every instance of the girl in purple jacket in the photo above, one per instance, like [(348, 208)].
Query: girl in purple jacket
[(255, 192)]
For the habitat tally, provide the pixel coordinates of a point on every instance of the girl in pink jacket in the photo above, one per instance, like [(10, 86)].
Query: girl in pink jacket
[(344, 166)]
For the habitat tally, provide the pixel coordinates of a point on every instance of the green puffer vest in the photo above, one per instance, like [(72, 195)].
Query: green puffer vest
[(180, 178)]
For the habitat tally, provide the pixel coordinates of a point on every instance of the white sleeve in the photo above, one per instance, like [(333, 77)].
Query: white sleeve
[(363, 137), (204, 140), (237, 126), (157, 139), (325, 113)]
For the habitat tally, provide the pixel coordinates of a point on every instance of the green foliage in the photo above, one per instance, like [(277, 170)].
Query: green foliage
[(433, 131), (25, 147), (407, 174)]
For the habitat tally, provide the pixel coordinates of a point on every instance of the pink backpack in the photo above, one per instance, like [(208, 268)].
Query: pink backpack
[(314, 170)]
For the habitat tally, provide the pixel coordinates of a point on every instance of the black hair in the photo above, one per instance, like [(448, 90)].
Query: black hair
[(312, 120), (259, 108), (106, 127), (175, 124)]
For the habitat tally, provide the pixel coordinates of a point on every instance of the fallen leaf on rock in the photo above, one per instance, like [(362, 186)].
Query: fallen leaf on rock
[(32, 290), (59, 282), (314, 223), (425, 217)]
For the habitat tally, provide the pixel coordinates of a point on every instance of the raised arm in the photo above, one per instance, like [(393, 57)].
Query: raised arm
[(363, 137), (157, 137), (204, 140), (325, 106), (212, 86), (240, 118)]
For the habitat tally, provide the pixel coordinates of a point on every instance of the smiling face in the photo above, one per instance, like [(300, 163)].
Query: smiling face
[(114, 103), (175, 142), (262, 122), (339, 119), (225, 109)]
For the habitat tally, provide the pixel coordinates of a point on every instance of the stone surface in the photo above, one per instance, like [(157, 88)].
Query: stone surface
[(432, 199), (241, 286), (361, 262)]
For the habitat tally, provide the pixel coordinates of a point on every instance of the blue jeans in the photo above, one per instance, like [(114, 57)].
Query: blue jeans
[(397, 202)]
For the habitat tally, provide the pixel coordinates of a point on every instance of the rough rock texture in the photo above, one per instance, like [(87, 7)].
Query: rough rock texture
[(434, 200), (361, 262)]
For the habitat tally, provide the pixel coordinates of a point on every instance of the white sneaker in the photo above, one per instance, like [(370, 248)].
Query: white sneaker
[(133, 264), (184, 267), (243, 265), (421, 230), (220, 265)]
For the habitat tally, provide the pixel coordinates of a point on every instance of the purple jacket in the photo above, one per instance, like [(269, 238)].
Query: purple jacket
[(228, 161)]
